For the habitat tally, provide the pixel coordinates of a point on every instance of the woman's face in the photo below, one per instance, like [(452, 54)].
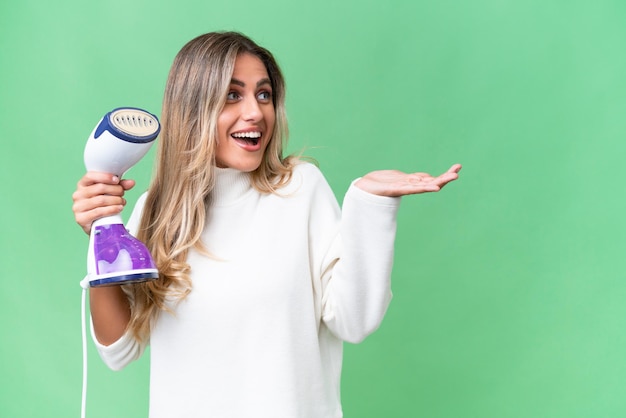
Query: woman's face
[(246, 123)]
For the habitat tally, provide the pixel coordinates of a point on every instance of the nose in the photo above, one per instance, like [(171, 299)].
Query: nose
[(251, 111)]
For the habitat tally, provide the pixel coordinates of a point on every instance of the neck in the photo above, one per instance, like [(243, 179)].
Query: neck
[(230, 186)]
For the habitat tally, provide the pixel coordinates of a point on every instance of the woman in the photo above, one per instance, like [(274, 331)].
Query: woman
[(262, 276)]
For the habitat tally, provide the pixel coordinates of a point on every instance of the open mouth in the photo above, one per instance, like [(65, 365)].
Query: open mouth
[(251, 138)]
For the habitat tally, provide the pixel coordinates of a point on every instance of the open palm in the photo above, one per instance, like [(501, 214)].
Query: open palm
[(396, 183)]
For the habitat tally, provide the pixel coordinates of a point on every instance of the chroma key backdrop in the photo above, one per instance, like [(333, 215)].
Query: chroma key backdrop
[(509, 285)]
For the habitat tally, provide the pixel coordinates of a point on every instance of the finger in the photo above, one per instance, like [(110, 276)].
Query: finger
[(94, 177), (94, 183), (86, 211), (127, 184), (98, 189), (88, 204), (416, 178), (455, 168), (98, 212), (86, 219), (417, 189), (445, 178)]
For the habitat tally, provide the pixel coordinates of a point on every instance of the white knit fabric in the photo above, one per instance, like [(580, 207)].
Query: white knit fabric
[(260, 335)]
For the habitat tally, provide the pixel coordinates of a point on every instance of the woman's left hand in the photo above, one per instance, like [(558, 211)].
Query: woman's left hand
[(394, 183)]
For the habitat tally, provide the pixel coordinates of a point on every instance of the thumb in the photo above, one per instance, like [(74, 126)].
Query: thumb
[(127, 184)]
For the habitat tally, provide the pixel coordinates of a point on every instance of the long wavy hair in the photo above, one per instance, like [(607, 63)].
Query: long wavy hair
[(179, 195)]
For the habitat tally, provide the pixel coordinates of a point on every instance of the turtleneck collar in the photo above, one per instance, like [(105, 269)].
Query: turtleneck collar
[(230, 186)]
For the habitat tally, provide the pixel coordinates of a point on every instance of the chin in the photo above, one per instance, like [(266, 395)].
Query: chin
[(248, 169), (245, 166)]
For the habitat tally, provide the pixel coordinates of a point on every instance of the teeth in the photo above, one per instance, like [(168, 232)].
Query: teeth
[(250, 135)]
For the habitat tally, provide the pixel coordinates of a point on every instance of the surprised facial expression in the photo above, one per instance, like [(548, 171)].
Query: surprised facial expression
[(246, 123)]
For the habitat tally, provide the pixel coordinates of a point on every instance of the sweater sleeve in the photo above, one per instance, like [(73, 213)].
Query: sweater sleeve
[(356, 278), (122, 352), (127, 349)]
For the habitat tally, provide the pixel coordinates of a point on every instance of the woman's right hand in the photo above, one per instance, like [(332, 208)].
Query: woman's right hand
[(98, 195)]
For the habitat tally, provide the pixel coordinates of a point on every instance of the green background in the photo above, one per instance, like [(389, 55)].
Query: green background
[(509, 293)]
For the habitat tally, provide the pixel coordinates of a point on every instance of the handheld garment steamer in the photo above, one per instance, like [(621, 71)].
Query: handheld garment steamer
[(121, 138)]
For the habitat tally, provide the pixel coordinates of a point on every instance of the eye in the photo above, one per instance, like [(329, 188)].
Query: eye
[(232, 96), (264, 96)]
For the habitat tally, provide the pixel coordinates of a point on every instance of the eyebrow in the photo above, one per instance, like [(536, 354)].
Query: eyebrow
[(258, 84)]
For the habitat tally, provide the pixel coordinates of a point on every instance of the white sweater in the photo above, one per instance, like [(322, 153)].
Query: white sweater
[(260, 335)]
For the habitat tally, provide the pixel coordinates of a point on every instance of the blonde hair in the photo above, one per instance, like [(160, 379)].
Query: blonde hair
[(180, 192)]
